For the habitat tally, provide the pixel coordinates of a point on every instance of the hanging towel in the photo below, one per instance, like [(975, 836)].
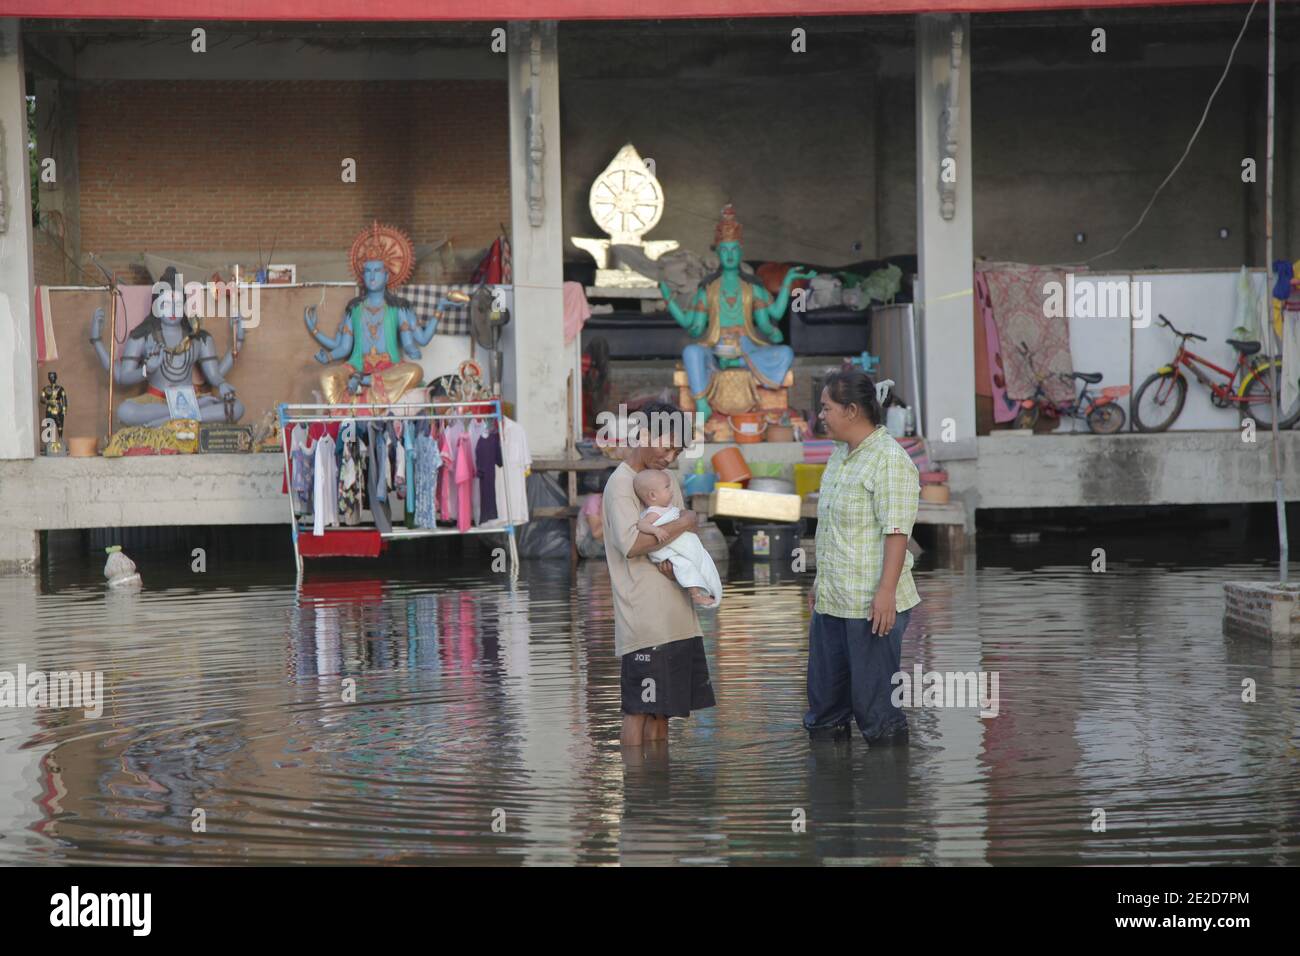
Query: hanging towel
[(1247, 302), (46, 349), (1286, 312), (1018, 293), (576, 310), (1290, 360), (1004, 408), (352, 543)]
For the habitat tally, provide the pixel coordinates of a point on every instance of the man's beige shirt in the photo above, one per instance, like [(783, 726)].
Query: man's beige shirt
[(649, 608)]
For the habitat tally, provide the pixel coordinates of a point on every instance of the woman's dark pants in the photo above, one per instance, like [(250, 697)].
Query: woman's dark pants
[(850, 671)]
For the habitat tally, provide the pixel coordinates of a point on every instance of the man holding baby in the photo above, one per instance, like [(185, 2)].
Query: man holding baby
[(657, 635)]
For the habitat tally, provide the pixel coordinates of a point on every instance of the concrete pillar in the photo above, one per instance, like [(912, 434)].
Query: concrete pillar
[(537, 362), (945, 234), (17, 332)]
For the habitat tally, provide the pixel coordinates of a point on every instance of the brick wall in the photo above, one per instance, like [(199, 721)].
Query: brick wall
[(47, 259), (1262, 609), (221, 165)]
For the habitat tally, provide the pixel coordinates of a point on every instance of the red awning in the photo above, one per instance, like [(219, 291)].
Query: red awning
[(488, 10)]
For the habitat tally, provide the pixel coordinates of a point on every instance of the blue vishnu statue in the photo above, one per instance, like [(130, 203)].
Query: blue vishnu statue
[(727, 315), (380, 337)]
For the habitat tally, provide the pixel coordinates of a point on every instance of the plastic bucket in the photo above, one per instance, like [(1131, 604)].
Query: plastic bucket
[(807, 478), (730, 465), (80, 447), (748, 427), (936, 494), (699, 483)]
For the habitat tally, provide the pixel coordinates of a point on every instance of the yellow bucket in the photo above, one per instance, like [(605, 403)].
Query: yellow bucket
[(807, 478)]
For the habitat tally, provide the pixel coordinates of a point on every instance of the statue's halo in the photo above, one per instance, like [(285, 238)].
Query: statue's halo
[(387, 244)]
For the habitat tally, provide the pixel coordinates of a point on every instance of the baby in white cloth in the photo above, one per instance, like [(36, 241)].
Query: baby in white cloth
[(692, 566)]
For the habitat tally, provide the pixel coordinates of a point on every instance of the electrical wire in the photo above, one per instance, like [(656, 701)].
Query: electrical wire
[(1195, 133)]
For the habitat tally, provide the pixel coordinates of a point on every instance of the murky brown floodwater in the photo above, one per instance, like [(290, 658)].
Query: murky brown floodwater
[(1118, 692)]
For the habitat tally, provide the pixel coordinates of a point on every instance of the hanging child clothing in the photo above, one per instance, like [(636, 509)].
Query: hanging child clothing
[(325, 490), (487, 457), (397, 504), (349, 476), (510, 490), (464, 466), (447, 481), (300, 469), (427, 464), (376, 464), (476, 431)]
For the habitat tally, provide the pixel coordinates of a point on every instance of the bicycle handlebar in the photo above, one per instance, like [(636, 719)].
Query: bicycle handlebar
[(1185, 335)]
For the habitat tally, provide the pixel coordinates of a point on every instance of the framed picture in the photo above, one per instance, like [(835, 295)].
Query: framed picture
[(281, 275), (182, 402)]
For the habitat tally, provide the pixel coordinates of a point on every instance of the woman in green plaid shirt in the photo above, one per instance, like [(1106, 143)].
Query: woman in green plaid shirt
[(863, 594)]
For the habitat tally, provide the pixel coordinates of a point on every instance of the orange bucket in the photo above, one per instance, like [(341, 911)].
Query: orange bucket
[(730, 465), (748, 427)]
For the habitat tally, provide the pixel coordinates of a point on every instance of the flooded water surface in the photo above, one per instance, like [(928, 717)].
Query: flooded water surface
[(431, 711)]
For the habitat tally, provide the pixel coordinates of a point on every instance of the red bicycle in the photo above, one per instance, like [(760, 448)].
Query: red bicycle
[(1101, 412), (1248, 386)]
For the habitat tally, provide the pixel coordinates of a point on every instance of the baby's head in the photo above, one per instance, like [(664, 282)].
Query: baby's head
[(653, 487)]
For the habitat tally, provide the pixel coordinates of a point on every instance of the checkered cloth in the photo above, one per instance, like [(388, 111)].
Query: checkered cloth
[(455, 321), (864, 496)]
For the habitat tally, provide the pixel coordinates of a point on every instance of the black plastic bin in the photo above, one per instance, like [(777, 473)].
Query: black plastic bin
[(765, 541)]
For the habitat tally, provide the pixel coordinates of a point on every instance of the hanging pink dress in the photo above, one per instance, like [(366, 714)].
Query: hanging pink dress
[(446, 479), (465, 473)]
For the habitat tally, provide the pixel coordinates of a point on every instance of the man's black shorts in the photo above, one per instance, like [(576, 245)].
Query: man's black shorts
[(671, 679)]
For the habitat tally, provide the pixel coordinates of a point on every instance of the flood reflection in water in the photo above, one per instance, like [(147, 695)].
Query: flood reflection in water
[(478, 703)]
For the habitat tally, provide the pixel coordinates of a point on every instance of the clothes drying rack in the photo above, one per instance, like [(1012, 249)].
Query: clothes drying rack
[(290, 415)]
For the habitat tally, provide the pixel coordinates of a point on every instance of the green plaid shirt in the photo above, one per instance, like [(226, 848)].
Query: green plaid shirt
[(865, 494)]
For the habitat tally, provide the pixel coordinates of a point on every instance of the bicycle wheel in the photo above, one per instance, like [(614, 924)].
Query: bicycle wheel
[(1106, 419), (1159, 401), (1258, 404), (1026, 417)]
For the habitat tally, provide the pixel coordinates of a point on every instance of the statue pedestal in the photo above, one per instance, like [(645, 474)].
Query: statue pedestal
[(623, 292), (649, 297), (769, 399)]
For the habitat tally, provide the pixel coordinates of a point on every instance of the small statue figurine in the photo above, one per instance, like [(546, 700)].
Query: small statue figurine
[(729, 310), (55, 399), (379, 335), (163, 351)]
